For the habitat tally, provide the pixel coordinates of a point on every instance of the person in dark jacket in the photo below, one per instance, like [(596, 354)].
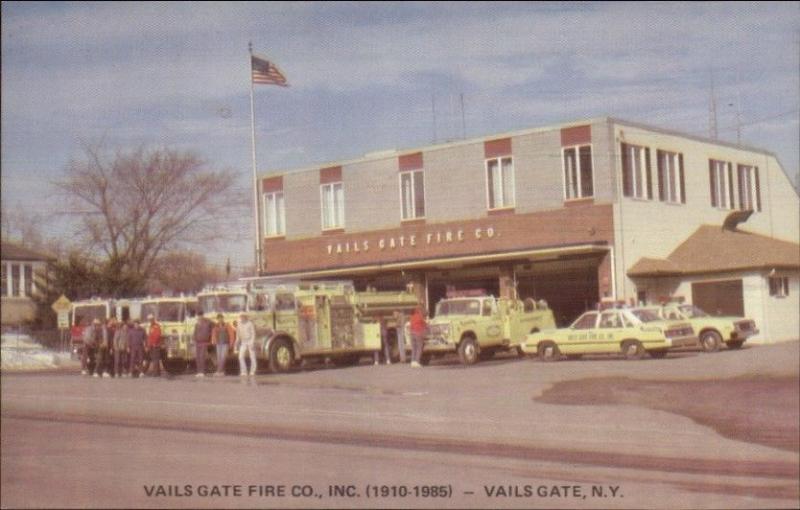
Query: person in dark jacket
[(202, 337), (223, 336), (120, 346), (136, 340)]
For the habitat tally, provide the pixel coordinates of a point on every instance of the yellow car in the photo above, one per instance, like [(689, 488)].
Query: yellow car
[(632, 333), (712, 331)]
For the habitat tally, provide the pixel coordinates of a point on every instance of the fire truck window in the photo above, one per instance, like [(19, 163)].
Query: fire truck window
[(284, 302), (529, 305)]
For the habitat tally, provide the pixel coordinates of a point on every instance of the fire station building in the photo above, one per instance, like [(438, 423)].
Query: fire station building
[(577, 213)]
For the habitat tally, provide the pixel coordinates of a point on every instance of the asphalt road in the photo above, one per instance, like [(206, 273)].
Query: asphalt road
[(394, 436)]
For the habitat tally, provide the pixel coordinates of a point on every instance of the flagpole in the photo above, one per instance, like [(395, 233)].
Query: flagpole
[(256, 221)]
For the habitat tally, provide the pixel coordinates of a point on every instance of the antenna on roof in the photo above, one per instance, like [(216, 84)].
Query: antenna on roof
[(433, 112), (463, 119), (712, 108)]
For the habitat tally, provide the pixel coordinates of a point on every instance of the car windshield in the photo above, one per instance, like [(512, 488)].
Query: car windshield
[(692, 311), (86, 314), (218, 303), (459, 307), (165, 311), (645, 315)]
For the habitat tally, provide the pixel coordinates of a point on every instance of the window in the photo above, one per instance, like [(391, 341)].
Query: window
[(749, 188), (412, 195), (27, 280), (610, 320), (15, 280), (671, 187), (778, 286), (637, 180), (500, 182), (585, 321), (4, 278), (721, 183), (578, 172), (332, 205), (274, 214)]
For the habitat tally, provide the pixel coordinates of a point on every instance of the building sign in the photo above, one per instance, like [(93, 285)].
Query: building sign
[(409, 241), (421, 241)]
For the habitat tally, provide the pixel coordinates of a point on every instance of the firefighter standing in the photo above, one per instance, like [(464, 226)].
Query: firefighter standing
[(202, 337), (92, 336), (154, 344), (136, 341), (418, 327), (222, 337), (246, 342), (121, 368)]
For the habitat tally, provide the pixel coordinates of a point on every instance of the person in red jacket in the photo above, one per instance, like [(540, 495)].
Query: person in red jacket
[(154, 345), (418, 327)]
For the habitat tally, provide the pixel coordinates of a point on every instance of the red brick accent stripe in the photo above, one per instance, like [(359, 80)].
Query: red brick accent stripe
[(410, 161), (330, 174), (496, 148), (271, 184), (576, 135)]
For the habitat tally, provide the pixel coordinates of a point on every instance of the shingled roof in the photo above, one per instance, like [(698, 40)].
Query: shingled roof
[(714, 249), (14, 251)]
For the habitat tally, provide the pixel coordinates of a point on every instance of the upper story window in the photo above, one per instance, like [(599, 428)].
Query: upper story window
[(749, 188), (637, 180), (412, 195), (671, 187), (274, 214), (720, 175), (332, 205), (500, 182), (578, 172)]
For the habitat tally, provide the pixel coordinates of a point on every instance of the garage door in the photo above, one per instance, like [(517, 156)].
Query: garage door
[(719, 298)]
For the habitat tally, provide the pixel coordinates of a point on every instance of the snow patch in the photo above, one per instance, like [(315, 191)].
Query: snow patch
[(21, 352)]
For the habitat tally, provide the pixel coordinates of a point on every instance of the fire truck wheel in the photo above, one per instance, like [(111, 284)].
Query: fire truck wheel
[(710, 341), (281, 356), (468, 351), (175, 366), (632, 349)]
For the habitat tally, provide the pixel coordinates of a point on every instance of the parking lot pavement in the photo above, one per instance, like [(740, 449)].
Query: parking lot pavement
[(494, 410)]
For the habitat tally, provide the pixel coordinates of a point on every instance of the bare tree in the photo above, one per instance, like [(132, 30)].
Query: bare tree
[(182, 271), (136, 205)]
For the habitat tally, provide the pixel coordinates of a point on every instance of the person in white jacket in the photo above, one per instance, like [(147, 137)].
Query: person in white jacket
[(246, 341)]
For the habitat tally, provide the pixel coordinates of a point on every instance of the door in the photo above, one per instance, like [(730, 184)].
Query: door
[(719, 298)]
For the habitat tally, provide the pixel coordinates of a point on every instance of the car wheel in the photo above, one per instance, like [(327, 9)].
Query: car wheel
[(632, 349), (657, 354), (710, 341), (468, 351), (548, 352), (281, 356)]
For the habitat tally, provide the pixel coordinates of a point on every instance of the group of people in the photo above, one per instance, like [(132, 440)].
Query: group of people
[(417, 328), (224, 336), (122, 348), (125, 349)]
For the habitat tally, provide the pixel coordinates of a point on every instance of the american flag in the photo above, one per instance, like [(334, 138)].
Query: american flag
[(266, 73)]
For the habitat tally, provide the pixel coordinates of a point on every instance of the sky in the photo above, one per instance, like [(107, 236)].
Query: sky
[(365, 78)]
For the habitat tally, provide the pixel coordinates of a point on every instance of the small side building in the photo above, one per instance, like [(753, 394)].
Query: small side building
[(22, 268)]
